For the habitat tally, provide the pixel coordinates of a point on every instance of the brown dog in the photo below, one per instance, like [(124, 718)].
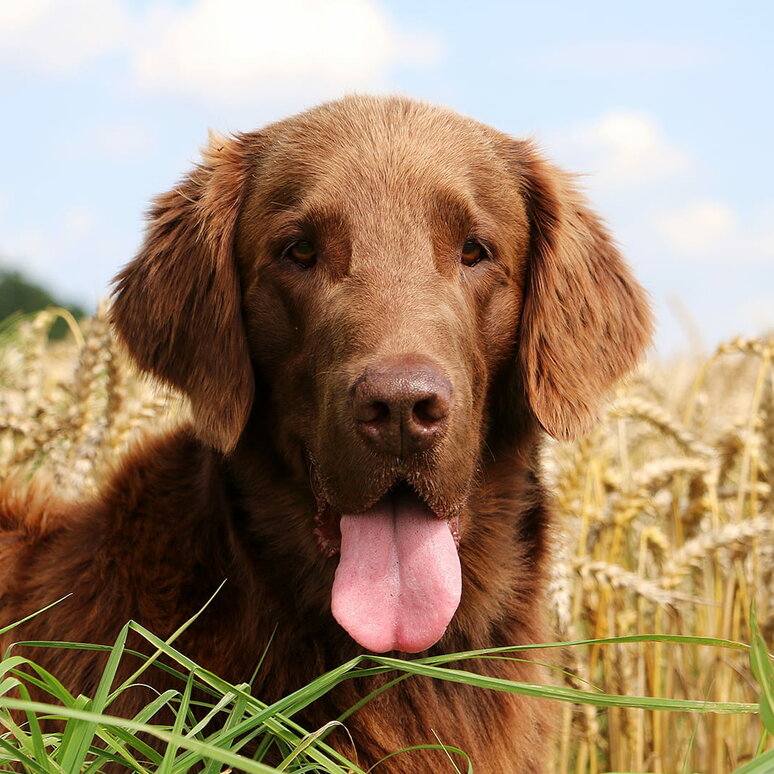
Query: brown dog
[(373, 307)]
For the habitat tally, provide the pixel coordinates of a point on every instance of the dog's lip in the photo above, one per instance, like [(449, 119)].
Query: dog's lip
[(327, 519)]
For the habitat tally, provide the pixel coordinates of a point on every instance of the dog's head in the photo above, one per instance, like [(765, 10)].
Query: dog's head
[(375, 266)]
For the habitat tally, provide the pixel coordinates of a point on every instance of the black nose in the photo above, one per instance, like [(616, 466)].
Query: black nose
[(402, 407)]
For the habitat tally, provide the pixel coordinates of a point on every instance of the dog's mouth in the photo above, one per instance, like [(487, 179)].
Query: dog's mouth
[(398, 582), (327, 521)]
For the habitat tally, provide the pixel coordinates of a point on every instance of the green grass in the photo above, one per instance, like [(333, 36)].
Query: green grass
[(213, 732)]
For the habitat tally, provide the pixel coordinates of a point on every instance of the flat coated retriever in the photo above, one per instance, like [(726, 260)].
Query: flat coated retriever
[(376, 308)]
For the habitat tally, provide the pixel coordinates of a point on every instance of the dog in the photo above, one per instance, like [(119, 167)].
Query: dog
[(377, 310)]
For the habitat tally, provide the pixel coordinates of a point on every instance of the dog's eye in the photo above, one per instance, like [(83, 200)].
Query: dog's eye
[(302, 252), (472, 252)]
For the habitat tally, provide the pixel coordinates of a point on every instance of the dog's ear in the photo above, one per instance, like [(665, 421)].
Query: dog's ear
[(585, 319), (177, 305)]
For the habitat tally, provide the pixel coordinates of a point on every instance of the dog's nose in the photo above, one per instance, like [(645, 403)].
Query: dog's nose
[(402, 407)]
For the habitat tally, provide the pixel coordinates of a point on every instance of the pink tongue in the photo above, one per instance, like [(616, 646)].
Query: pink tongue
[(398, 582)]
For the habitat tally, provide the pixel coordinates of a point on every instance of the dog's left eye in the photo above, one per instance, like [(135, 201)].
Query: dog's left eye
[(302, 252), (472, 252)]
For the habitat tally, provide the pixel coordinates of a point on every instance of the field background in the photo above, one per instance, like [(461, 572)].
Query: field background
[(665, 525)]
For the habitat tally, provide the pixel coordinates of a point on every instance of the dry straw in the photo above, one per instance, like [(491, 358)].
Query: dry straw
[(669, 505)]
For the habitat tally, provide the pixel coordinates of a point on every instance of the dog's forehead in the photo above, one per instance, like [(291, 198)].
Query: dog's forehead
[(389, 145)]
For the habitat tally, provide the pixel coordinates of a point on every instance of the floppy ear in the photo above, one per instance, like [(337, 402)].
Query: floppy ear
[(177, 305), (585, 319)]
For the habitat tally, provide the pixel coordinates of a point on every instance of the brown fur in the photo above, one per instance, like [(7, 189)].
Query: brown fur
[(267, 351)]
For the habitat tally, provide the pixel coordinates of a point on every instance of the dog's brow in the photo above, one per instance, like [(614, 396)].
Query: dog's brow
[(453, 208), (282, 197), (315, 219), (462, 216)]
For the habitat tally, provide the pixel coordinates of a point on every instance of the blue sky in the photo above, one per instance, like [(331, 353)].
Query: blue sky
[(667, 108)]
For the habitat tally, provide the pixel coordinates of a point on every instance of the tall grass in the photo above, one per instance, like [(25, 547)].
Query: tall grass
[(665, 525)]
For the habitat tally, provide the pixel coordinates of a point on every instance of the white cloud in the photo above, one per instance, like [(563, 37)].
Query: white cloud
[(56, 36), (623, 150), (626, 55), (230, 52), (707, 229), (699, 227), (233, 51), (626, 152)]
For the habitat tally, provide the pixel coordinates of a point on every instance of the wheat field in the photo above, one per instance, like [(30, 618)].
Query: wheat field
[(665, 524)]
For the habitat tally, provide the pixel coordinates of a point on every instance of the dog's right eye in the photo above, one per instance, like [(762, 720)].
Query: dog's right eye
[(473, 252), (302, 252)]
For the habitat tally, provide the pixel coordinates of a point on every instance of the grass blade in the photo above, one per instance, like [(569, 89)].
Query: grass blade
[(76, 750), (763, 764), (763, 670), (8, 627), (565, 694)]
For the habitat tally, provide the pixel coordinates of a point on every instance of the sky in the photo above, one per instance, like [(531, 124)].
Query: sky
[(665, 109)]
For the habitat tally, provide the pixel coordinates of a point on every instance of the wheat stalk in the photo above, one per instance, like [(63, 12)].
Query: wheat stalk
[(620, 579), (634, 407), (737, 537)]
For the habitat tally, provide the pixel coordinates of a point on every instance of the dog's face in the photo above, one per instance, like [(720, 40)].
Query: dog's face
[(374, 265), (382, 255)]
